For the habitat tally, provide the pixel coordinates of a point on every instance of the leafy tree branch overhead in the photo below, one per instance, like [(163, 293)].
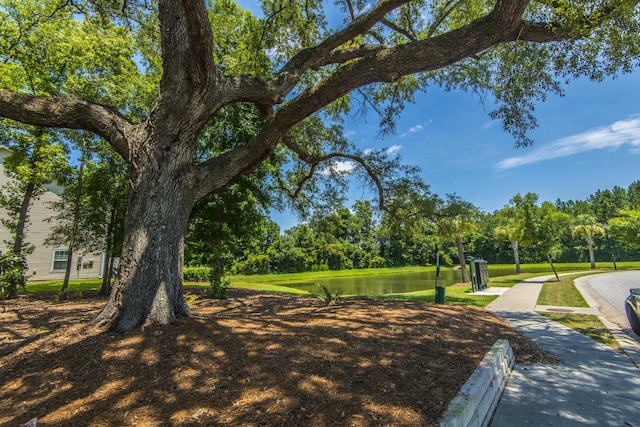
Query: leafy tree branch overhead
[(149, 77)]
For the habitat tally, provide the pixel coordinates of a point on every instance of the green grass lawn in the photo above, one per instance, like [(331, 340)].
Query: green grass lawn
[(454, 295), (556, 293), (240, 280), (56, 285), (562, 293)]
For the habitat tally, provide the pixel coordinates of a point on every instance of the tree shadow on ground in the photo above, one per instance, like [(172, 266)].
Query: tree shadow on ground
[(252, 360)]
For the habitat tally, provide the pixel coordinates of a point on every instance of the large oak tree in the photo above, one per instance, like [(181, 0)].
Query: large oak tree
[(515, 51)]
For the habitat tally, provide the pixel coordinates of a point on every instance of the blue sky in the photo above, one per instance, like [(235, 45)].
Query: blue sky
[(587, 140)]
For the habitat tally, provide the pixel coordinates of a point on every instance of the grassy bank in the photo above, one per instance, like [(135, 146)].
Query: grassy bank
[(555, 293), (563, 293)]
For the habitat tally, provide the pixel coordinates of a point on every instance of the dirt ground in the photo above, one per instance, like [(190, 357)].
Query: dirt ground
[(249, 360)]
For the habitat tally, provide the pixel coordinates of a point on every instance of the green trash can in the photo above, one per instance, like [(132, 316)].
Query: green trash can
[(440, 295)]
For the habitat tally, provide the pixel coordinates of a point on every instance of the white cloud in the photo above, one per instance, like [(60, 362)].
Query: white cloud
[(368, 151), (411, 130), (612, 137), (367, 8), (393, 149), (341, 167)]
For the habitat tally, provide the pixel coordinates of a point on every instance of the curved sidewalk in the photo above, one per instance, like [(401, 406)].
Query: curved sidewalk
[(595, 385)]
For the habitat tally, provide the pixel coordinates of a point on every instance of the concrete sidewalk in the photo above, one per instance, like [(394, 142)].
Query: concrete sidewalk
[(595, 385)]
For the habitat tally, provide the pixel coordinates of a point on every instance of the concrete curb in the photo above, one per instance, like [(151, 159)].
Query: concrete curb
[(477, 399)]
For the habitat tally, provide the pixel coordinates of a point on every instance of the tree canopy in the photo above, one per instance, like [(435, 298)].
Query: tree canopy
[(149, 77)]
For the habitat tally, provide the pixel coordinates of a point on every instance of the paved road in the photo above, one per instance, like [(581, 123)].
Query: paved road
[(614, 287)]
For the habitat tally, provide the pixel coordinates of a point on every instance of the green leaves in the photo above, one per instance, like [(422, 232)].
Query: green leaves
[(12, 275), (53, 49), (626, 227)]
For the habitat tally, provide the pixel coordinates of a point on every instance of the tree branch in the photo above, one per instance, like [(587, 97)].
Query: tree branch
[(397, 29), (314, 160), (200, 37), (187, 46), (312, 58), (440, 19), (71, 113), (362, 66)]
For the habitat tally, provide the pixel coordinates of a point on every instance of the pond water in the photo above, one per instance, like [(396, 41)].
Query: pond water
[(383, 284)]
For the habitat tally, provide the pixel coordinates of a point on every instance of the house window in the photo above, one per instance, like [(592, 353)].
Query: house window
[(60, 260)]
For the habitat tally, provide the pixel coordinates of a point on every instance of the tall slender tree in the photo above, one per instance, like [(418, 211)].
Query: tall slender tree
[(552, 223), (509, 229), (587, 227), (456, 220), (36, 157)]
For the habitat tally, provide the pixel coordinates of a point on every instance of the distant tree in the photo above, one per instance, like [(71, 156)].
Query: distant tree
[(362, 232), (412, 210), (90, 212), (551, 224), (219, 224), (606, 203), (509, 229), (36, 156), (67, 225), (633, 193), (456, 220), (587, 227), (626, 227)]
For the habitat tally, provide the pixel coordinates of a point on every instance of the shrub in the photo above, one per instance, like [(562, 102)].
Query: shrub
[(377, 262), (199, 273), (327, 298), (12, 277), (254, 264)]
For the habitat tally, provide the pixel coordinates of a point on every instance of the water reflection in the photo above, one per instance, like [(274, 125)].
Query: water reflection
[(383, 284)]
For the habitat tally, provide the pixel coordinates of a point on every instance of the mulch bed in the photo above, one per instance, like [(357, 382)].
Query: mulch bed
[(249, 360)]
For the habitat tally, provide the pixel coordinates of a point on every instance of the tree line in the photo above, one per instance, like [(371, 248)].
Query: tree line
[(604, 227), (231, 232)]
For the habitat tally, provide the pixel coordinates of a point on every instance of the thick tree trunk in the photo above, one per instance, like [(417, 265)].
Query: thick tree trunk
[(463, 261), (516, 255), (148, 287)]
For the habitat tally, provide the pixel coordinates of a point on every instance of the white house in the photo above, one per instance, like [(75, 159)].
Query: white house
[(47, 263)]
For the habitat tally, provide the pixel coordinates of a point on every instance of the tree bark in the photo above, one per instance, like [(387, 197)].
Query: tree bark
[(22, 219), (148, 287), (516, 255), (74, 230), (20, 226), (553, 267), (105, 289), (592, 257), (463, 261)]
